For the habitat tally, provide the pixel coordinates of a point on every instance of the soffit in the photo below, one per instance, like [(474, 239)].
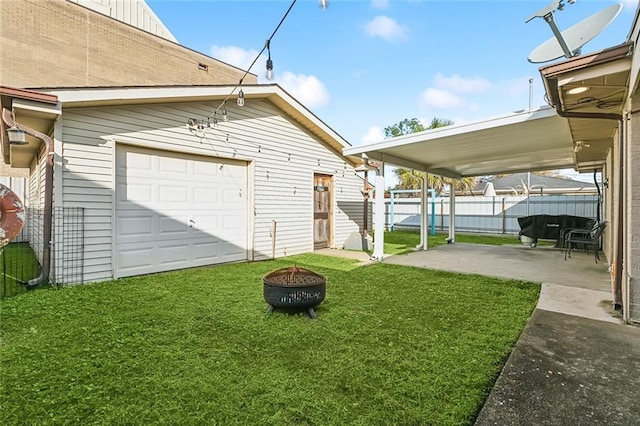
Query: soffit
[(606, 76)]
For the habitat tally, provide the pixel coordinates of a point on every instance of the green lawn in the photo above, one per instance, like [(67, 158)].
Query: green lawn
[(402, 241), (17, 263), (391, 345)]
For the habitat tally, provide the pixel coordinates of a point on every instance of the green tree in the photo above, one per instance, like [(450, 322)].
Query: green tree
[(411, 179)]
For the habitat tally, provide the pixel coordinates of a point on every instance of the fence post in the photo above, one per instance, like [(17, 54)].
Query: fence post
[(504, 217), (441, 214)]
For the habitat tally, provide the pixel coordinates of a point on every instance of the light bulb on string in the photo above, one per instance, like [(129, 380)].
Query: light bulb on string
[(225, 117), (269, 69), (240, 98), (269, 61)]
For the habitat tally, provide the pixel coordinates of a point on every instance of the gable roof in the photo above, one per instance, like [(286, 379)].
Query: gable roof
[(109, 96)]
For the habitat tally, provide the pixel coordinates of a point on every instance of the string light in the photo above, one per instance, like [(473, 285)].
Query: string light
[(240, 100), (199, 126), (269, 61), (225, 117)]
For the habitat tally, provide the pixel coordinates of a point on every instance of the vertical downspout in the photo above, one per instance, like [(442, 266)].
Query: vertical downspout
[(619, 262), (365, 219), (595, 182), (7, 117)]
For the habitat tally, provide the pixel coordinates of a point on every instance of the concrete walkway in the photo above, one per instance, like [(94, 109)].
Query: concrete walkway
[(575, 363)]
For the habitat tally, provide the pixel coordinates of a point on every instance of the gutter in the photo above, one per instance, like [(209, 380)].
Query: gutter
[(7, 117)]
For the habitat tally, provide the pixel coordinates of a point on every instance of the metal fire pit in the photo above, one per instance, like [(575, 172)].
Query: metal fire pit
[(294, 289)]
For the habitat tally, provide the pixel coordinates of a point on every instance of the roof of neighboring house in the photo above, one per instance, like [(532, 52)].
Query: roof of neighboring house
[(518, 181)]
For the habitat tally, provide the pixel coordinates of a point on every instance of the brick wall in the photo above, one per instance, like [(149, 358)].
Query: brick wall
[(55, 43)]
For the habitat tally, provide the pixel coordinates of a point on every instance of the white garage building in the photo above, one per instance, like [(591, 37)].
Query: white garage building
[(166, 182)]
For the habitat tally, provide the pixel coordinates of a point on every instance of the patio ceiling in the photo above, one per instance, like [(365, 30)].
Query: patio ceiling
[(522, 141)]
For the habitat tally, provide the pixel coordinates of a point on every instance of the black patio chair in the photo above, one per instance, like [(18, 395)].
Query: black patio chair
[(588, 227), (587, 238)]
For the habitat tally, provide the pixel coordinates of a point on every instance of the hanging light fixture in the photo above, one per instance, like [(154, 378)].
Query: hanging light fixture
[(324, 4), (17, 136), (269, 61)]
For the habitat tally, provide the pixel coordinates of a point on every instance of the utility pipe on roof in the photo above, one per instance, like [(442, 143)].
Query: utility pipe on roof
[(7, 117)]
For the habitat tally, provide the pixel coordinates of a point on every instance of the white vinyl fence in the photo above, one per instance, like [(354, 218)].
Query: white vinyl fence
[(486, 214)]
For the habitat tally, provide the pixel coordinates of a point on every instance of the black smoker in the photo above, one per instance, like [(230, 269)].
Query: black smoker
[(294, 289)]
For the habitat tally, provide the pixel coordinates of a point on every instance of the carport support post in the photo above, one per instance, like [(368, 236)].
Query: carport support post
[(424, 212), (378, 237), (452, 212)]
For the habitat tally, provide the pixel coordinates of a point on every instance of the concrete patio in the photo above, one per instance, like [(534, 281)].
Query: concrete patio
[(575, 362), (576, 286)]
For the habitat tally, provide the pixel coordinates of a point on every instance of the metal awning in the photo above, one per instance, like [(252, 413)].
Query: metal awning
[(521, 141)]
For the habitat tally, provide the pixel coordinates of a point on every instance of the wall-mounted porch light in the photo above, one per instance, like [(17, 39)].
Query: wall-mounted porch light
[(17, 136)]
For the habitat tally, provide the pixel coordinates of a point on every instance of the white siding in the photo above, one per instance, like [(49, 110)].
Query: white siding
[(35, 202), (133, 12), (284, 158)]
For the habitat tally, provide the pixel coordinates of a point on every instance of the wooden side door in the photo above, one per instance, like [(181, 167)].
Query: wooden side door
[(322, 211)]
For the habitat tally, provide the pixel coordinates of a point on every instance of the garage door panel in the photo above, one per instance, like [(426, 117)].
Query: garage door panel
[(158, 195), (173, 254), (172, 165), (135, 259), (172, 194), (204, 196), (173, 226), (134, 193), (206, 169), (136, 226)]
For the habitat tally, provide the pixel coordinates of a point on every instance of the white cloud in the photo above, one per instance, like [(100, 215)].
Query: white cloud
[(457, 84), (630, 5), (442, 99), (380, 4), (235, 56), (374, 134), (307, 89), (386, 28)]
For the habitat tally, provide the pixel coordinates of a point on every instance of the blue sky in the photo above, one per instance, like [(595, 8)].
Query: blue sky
[(363, 65)]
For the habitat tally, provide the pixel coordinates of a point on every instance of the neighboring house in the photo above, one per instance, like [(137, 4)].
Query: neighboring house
[(165, 181), (57, 43), (132, 12), (518, 183)]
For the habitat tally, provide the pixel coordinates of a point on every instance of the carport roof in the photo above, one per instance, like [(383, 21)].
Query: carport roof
[(521, 141)]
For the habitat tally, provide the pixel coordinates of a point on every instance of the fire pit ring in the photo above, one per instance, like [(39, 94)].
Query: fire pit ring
[(294, 289)]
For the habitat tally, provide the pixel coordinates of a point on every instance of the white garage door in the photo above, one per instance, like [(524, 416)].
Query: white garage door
[(176, 211)]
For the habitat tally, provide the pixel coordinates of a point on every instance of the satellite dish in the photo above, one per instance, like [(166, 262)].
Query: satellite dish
[(574, 37)]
